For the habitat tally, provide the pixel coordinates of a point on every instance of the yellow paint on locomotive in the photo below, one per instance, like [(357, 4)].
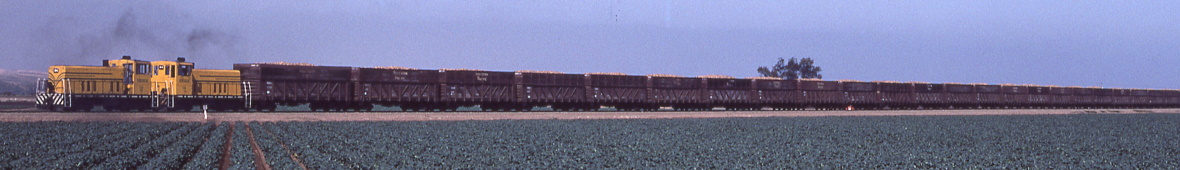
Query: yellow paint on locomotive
[(114, 77), (172, 77), (217, 82), (85, 80)]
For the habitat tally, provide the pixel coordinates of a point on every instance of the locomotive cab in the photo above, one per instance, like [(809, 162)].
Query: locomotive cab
[(136, 75), (172, 77)]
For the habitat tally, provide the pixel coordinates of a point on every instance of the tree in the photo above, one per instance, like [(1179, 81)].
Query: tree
[(807, 69), (792, 69)]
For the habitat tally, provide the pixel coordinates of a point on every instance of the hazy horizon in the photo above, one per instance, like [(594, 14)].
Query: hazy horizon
[(1067, 43)]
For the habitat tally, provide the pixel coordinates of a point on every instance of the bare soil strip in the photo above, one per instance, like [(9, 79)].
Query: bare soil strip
[(294, 157), (460, 116), (259, 157), (228, 146)]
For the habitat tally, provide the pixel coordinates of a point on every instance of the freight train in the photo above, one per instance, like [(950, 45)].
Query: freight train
[(134, 85)]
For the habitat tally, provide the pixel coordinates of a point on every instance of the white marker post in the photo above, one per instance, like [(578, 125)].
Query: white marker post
[(205, 111)]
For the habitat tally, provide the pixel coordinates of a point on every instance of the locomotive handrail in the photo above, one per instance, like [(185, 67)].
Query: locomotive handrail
[(246, 93), (171, 97), (69, 100), (41, 85)]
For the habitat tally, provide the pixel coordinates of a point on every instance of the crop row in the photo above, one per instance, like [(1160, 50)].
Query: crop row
[(120, 145)]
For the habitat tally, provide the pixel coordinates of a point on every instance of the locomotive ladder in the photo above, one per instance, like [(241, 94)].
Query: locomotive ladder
[(163, 99), (247, 93)]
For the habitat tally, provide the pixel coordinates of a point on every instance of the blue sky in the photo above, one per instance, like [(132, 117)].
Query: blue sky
[(1129, 44)]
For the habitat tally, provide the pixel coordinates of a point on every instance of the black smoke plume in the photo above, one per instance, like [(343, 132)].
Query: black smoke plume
[(146, 33)]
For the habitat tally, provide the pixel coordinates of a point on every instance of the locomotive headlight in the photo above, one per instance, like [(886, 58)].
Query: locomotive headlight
[(54, 70)]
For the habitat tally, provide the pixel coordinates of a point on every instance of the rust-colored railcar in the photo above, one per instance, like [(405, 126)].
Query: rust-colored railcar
[(559, 91), (1060, 96), (961, 96), (679, 92), (1039, 96), (1015, 96), (1162, 98), (322, 87), (929, 95), (1141, 97), (488, 89), (405, 88), (896, 95), (1102, 97), (820, 94), (1084, 97), (619, 91), (1173, 97), (732, 93), (990, 96), (861, 94), (777, 94), (1124, 97)]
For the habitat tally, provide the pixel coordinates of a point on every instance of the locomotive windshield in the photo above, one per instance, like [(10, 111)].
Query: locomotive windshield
[(184, 70), (142, 68)]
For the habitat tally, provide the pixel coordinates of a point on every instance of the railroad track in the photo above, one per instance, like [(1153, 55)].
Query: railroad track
[(461, 116)]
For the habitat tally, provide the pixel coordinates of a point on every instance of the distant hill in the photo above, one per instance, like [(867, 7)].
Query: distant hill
[(19, 82)]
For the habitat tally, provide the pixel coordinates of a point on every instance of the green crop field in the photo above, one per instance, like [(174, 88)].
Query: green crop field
[(1090, 141)]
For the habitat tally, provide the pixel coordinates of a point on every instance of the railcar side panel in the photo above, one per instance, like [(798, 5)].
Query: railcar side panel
[(1039, 95), (730, 90), (549, 88), (389, 86), (1060, 95), (478, 86), (929, 93), (778, 92), (1084, 96), (617, 88), (989, 94), (897, 93), (861, 92), (297, 83), (1103, 96), (676, 90), (1140, 97), (1015, 95), (820, 92)]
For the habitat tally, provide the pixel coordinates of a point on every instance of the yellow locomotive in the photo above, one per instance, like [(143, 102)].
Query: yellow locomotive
[(126, 84)]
